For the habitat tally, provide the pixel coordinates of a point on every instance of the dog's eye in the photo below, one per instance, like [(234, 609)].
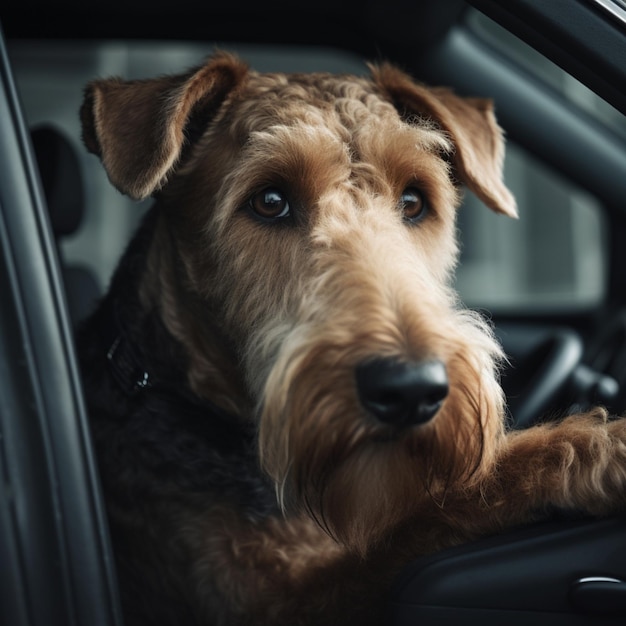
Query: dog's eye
[(270, 203), (412, 204)]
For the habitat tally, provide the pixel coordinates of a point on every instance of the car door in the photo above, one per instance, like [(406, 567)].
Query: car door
[(55, 563)]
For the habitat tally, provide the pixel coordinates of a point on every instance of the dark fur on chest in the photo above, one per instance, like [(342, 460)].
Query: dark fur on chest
[(166, 456)]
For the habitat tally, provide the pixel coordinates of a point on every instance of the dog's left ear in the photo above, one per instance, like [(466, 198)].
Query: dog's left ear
[(139, 128), (470, 123)]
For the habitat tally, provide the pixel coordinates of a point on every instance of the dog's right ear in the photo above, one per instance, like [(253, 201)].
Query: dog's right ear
[(139, 128)]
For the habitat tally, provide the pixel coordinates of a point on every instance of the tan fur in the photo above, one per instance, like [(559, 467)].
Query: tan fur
[(274, 319)]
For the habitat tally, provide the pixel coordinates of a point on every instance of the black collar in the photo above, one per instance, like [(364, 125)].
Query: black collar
[(126, 367), (137, 378)]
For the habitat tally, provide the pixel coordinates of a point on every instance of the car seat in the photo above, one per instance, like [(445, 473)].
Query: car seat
[(62, 181)]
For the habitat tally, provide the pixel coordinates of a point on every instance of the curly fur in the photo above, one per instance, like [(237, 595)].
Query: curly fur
[(245, 481)]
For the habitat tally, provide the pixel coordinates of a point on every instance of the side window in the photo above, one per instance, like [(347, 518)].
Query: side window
[(553, 256)]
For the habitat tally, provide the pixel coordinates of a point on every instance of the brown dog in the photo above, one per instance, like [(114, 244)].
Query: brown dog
[(288, 400)]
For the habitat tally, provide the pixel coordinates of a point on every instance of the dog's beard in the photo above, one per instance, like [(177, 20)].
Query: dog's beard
[(358, 478)]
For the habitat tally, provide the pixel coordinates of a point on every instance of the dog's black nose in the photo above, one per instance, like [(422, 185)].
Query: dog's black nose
[(402, 393)]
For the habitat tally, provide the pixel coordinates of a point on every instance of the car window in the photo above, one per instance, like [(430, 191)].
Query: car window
[(553, 257)]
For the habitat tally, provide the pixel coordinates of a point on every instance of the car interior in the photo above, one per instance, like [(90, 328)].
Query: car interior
[(553, 282)]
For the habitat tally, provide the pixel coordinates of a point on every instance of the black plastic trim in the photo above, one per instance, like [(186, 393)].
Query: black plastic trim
[(52, 513), (576, 35), (521, 577), (581, 148)]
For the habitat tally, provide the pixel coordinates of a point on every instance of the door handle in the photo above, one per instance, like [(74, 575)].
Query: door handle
[(599, 594)]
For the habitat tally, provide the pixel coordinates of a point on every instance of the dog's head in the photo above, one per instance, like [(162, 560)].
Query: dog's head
[(312, 222)]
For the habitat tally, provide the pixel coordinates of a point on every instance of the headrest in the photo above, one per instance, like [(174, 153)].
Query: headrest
[(61, 177)]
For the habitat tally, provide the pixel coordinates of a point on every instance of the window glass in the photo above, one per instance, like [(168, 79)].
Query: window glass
[(553, 256)]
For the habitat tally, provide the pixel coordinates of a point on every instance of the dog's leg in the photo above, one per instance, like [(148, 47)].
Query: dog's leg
[(574, 466), (577, 464)]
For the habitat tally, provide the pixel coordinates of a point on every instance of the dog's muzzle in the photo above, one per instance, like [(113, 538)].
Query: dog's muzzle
[(400, 393)]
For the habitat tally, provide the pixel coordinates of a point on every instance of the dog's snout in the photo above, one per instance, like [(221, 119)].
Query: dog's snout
[(402, 393)]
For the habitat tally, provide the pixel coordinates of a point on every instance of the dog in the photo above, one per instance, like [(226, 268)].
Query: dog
[(288, 400)]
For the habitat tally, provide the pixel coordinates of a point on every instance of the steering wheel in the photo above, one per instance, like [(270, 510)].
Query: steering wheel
[(547, 377), (608, 355)]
